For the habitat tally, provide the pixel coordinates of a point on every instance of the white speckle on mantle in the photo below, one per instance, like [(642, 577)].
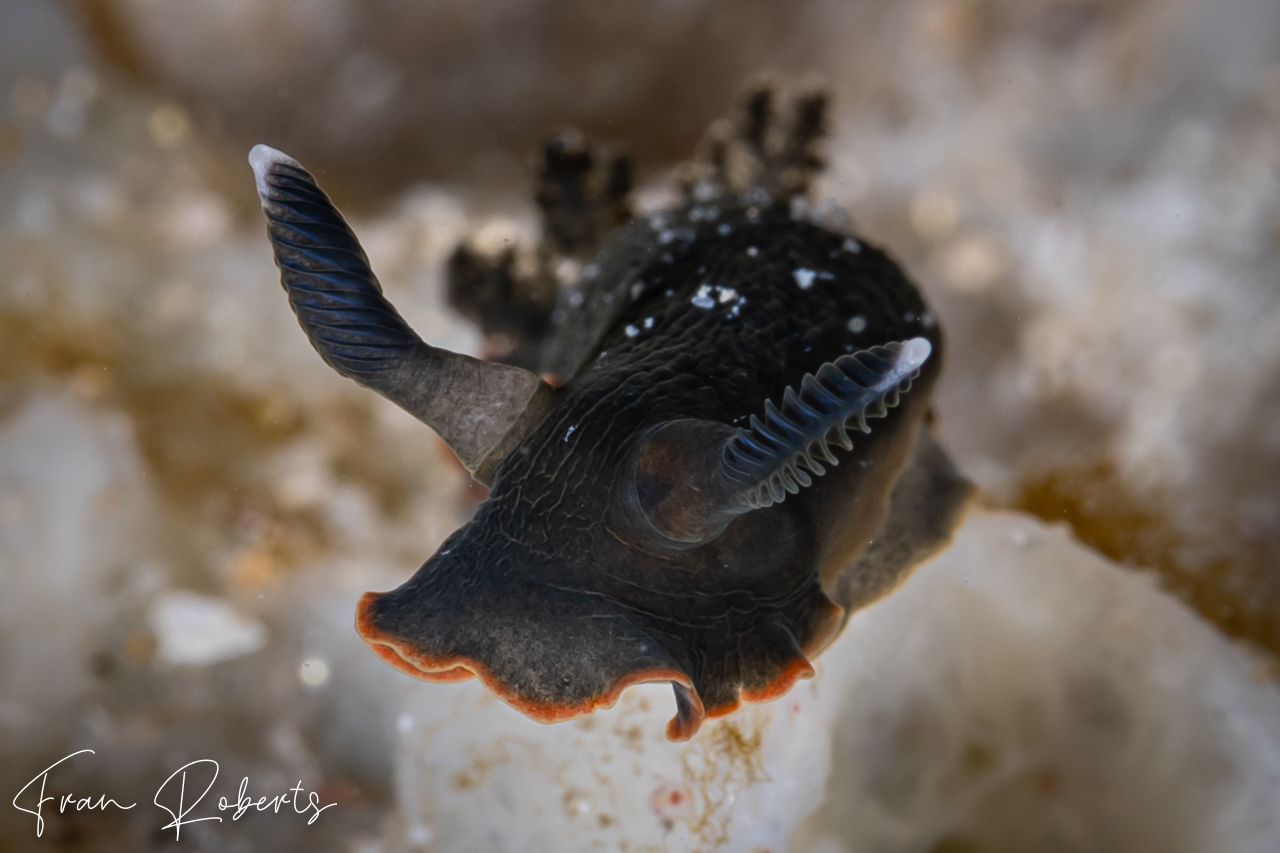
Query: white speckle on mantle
[(703, 297)]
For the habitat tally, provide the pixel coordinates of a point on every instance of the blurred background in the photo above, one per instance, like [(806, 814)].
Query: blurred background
[(191, 502)]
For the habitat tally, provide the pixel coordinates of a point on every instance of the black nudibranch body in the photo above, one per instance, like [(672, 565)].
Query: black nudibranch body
[(737, 456)]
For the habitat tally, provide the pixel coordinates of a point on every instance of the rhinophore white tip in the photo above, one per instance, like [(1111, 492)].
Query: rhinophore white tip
[(261, 158), (914, 354)]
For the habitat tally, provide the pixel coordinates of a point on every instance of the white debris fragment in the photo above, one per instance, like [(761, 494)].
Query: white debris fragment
[(420, 835), (568, 270), (703, 298), (800, 208), (313, 671), (804, 278), (631, 330), (197, 630), (972, 264), (857, 323)]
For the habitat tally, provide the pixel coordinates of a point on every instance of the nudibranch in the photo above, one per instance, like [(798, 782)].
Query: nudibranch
[(737, 458)]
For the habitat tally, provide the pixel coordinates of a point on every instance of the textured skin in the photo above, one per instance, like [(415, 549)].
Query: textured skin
[(550, 593)]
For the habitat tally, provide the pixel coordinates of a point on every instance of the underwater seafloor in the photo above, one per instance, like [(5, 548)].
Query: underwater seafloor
[(191, 501)]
